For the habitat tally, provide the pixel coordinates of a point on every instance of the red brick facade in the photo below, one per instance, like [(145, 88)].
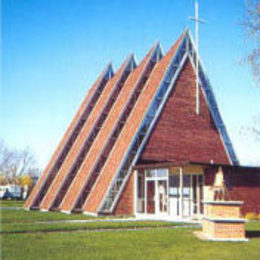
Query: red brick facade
[(180, 133), (243, 184), (125, 205)]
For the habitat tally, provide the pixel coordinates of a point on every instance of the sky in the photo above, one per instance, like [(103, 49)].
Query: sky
[(53, 50)]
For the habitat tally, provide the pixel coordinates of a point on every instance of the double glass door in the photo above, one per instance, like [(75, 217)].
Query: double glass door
[(152, 192)]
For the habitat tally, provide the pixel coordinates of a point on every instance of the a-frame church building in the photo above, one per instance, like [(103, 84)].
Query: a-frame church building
[(136, 146)]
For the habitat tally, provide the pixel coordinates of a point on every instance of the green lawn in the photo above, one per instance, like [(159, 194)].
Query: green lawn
[(30, 227), (11, 203), (28, 221), (81, 242), (163, 244), (23, 216)]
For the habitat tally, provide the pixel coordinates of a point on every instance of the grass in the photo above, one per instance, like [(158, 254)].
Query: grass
[(23, 216), (11, 203), (163, 244), (28, 221), (29, 227), (153, 243)]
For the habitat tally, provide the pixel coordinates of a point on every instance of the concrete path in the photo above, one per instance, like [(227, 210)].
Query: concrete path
[(100, 229), (115, 220), (11, 208)]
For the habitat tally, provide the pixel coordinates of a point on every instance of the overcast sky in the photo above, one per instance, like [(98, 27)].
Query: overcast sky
[(53, 50)]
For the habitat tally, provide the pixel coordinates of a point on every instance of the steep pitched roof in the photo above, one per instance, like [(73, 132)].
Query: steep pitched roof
[(98, 161), (86, 136), (118, 160), (70, 135), (184, 52), (105, 140)]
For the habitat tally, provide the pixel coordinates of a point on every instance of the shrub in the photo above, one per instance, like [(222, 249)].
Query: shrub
[(251, 216)]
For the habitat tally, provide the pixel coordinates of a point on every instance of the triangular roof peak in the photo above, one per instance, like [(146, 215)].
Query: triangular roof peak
[(186, 48), (157, 51), (109, 70), (131, 62)]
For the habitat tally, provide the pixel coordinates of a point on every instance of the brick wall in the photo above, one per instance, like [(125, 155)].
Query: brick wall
[(125, 205), (180, 133), (245, 186), (242, 183), (224, 230), (221, 221), (222, 211)]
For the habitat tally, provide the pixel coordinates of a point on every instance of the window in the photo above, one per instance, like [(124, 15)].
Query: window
[(162, 172), (140, 193), (151, 173)]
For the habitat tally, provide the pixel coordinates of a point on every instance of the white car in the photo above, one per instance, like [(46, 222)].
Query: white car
[(10, 191)]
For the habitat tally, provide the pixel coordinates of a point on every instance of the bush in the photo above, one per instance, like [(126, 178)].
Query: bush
[(251, 216)]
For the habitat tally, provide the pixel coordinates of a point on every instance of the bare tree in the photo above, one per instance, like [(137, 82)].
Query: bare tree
[(26, 161), (252, 130), (8, 161), (256, 127), (251, 23), (14, 163), (252, 26)]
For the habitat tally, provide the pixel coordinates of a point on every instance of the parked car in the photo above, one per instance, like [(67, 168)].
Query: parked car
[(10, 191)]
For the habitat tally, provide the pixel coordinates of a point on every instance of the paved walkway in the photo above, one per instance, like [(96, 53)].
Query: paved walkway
[(11, 208), (116, 220), (113, 229)]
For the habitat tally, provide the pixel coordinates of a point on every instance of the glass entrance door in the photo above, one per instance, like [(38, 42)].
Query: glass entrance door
[(162, 195), (155, 190), (156, 196)]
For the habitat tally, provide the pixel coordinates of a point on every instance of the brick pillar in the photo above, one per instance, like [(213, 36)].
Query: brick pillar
[(222, 221)]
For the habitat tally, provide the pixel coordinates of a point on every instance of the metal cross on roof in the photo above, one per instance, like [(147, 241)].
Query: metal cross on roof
[(197, 21)]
